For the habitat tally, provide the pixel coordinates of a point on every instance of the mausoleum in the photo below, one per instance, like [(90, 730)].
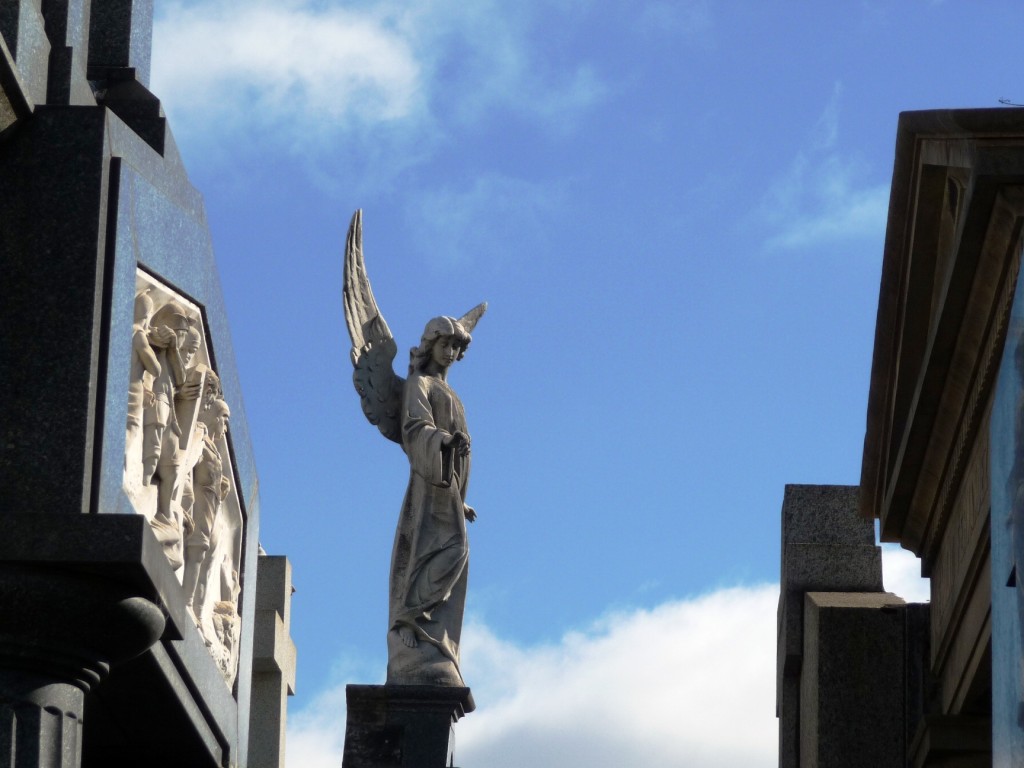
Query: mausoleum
[(140, 621), (863, 677)]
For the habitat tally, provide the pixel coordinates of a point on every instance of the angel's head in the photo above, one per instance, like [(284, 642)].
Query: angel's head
[(444, 341)]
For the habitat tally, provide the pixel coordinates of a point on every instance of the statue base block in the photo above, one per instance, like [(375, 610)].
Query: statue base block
[(402, 726)]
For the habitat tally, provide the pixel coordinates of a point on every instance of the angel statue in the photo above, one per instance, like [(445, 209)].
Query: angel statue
[(430, 559)]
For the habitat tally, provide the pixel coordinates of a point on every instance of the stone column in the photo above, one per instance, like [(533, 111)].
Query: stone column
[(60, 633), (826, 547), (273, 669)]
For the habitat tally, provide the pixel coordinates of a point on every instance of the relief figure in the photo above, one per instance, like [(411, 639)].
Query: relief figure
[(209, 488)]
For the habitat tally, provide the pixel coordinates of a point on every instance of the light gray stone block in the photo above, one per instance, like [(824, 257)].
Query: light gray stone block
[(273, 678), (853, 665), (808, 567), (826, 547), (824, 514)]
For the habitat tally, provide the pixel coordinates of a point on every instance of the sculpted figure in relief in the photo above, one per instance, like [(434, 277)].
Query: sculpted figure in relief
[(226, 622), (167, 334), (430, 559), (144, 369), (209, 489), (176, 468), (175, 420)]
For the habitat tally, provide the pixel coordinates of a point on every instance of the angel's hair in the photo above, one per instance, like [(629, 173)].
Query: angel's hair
[(436, 328)]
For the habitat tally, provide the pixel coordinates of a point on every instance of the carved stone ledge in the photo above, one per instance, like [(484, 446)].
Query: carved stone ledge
[(71, 628), (61, 632)]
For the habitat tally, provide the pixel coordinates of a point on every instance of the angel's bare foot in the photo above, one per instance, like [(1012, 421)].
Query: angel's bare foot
[(408, 637)]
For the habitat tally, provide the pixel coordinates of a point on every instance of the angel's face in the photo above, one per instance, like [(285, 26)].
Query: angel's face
[(444, 351)]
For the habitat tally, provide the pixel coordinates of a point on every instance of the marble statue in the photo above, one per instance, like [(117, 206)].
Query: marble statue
[(430, 559)]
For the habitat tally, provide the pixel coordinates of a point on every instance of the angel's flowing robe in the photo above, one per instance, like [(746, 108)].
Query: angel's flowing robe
[(429, 563)]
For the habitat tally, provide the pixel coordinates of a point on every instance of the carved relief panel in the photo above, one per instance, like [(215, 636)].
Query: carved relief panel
[(178, 468)]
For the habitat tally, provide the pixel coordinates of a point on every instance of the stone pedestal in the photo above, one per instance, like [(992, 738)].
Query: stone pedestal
[(402, 726)]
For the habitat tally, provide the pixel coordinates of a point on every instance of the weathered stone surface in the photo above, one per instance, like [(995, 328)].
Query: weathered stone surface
[(853, 664), (273, 676), (402, 726), (832, 567), (821, 514), (787, 710), (826, 547)]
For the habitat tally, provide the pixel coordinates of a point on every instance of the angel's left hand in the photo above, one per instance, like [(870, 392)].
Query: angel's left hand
[(461, 442), (470, 513)]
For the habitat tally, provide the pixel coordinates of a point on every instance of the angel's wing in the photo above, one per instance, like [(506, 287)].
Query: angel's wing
[(373, 346), (469, 320)]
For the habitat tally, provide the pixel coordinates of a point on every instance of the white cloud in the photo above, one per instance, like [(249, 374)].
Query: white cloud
[(823, 197), (666, 686), (302, 70), (260, 61), (821, 203), (316, 735), (901, 574)]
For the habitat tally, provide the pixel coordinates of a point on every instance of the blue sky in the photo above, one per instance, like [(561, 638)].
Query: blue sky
[(676, 212)]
